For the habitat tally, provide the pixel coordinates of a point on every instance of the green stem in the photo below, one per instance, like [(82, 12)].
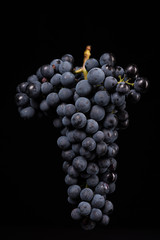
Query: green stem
[(121, 79)]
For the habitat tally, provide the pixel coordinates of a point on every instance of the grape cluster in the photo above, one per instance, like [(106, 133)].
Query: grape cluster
[(88, 110)]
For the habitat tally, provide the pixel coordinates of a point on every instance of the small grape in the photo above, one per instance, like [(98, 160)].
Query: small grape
[(96, 214), (85, 208), (86, 194)]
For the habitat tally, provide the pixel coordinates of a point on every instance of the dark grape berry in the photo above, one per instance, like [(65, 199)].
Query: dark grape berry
[(109, 177), (119, 71), (131, 71), (23, 86), (133, 96), (141, 84), (33, 90), (47, 71), (21, 99), (108, 70), (122, 87), (107, 58), (68, 57)]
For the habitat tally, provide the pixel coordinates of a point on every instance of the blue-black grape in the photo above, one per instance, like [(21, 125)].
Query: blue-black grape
[(108, 70), (33, 90), (27, 112), (85, 153), (83, 88), (98, 201), (109, 177), (70, 180), (110, 135), (22, 87), (88, 224), (72, 172), (63, 142), (96, 214), (85, 208), (79, 163), (122, 115), (122, 88), (83, 104), (110, 121), (105, 220), (133, 96), (65, 67), (102, 188), (131, 70), (91, 126), (70, 109), (112, 187), (65, 94), (107, 58), (141, 84), (104, 162), (66, 121), (78, 120), (97, 113), (61, 109), (67, 79), (57, 123), (68, 57), (110, 83), (72, 201), (70, 134), (56, 79), (65, 166), (119, 72), (102, 98), (55, 64), (92, 181), (117, 99), (76, 147), (21, 99), (108, 207), (46, 88), (92, 168), (91, 63), (95, 76), (47, 71), (68, 155), (44, 107), (79, 135), (53, 99), (89, 143), (39, 74), (74, 191), (32, 79), (101, 149), (98, 136), (86, 194), (112, 150), (76, 214)]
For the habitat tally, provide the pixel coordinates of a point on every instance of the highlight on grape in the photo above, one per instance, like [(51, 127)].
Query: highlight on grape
[(88, 104)]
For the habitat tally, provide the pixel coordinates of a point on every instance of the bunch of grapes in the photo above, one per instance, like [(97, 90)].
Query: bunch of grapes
[(88, 106)]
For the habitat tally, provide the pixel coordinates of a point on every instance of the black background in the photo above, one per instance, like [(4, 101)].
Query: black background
[(32, 189)]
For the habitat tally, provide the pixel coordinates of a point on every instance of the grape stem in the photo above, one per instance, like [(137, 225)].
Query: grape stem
[(132, 84), (121, 79), (87, 54), (127, 81), (86, 186)]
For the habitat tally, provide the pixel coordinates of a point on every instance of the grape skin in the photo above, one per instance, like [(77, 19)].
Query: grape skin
[(95, 76)]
